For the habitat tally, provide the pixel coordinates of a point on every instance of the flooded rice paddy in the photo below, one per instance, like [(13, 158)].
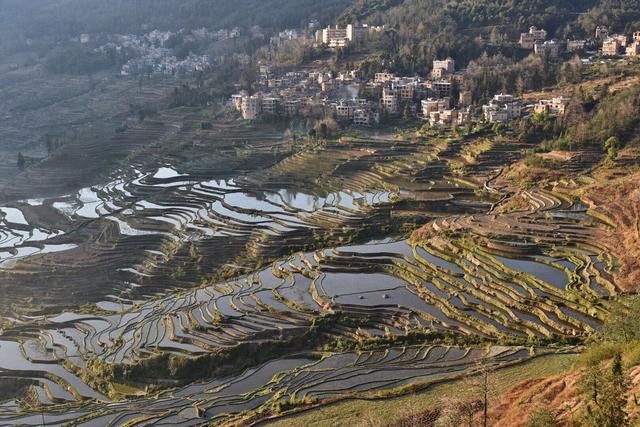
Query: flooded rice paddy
[(171, 260)]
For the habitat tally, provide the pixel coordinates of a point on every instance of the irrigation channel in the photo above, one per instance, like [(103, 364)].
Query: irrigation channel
[(164, 259)]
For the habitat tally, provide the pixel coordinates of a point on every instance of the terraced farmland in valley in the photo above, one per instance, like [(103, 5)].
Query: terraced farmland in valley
[(213, 292), (305, 377), (148, 229)]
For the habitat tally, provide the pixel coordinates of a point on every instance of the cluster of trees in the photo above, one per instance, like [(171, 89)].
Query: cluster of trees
[(604, 386), (187, 96), (488, 75), (605, 389), (424, 30), (291, 53), (608, 120), (429, 29)]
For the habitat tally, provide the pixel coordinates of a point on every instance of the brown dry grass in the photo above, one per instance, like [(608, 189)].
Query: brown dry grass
[(557, 393), (569, 89), (558, 155), (619, 200)]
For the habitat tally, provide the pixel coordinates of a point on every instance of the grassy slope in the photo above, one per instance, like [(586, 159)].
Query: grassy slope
[(381, 412)]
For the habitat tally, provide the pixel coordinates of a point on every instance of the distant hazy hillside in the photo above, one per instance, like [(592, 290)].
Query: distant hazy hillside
[(62, 17)]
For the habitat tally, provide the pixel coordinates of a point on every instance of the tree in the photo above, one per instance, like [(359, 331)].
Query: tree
[(311, 134), (484, 386), (614, 400), (611, 145), (606, 395), (590, 384), (623, 323), (323, 130), (407, 113)]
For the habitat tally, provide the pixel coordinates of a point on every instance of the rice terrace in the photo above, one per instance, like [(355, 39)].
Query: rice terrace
[(173, 256)]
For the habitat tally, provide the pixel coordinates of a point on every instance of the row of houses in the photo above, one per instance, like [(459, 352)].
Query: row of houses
[(556, 106), (536, 39), (253, 106), (360, 112), (504, 108), (618, 44), (612, 44), (437, 111), (440, 112), (351, 99), (346, 95)]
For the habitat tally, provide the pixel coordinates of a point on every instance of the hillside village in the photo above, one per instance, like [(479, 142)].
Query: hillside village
[(437, 97)]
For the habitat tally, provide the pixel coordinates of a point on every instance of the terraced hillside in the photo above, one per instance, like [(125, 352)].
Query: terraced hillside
[(72, 112), (233, 276)]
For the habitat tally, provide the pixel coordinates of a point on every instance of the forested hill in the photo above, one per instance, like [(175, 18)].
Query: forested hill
[(424, 29), (34, 18), (417, 20), (466, 14)]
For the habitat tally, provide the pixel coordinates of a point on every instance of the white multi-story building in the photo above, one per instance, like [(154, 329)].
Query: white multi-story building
[(236, 100), (406, 91), (291, 107), (441, 87), (251, 107), (502, 109), (365, 117), (528, 40), (338, 43), (464, 116), (576, 45), (555, 106), (443, 118), (358, 33), (447, 65), (341, 37), (345, 110), (465, 98), (434, 104), (622, 38), (333, 36), (390, 100), (633, 49), (270, 105), (383, 77), (611, 46), (549, 48)]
